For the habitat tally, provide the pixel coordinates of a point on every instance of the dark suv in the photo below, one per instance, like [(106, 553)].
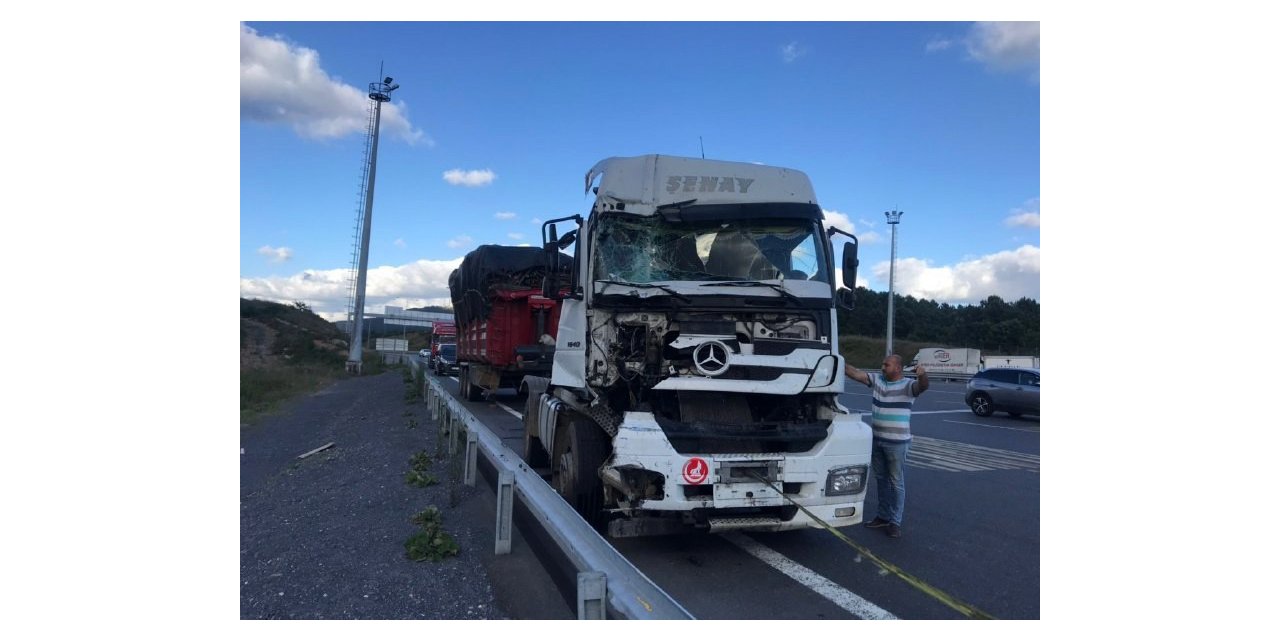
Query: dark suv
[(1010, 389), (447, 360)]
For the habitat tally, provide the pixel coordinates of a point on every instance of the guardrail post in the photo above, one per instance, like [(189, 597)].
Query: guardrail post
[(591, 594), (453, 435), (469, 471), (506, 500)]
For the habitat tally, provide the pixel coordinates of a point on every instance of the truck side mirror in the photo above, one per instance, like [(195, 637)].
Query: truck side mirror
[(849, 265), (550, 281), (552, 243)]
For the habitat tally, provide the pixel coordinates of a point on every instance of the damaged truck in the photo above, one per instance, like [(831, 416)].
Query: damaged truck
[(505, 329), (696, 368)]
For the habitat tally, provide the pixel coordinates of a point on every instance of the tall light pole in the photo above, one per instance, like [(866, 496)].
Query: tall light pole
[(379, 92), (892, 217)]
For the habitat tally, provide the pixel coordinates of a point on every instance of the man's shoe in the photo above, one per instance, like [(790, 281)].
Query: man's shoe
[(894, 531), (877, 523)]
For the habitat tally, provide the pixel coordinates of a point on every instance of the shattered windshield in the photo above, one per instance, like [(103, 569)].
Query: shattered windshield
[(634, 249)]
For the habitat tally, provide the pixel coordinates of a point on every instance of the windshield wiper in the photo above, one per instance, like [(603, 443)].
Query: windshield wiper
[(647, 285), (756, 283)]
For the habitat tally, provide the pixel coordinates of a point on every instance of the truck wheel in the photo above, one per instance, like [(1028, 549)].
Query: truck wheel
[(982, 405), (580, 451), (473, 392), (534, 455)]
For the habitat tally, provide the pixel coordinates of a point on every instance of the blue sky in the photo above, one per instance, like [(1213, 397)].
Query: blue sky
[(495, 125)]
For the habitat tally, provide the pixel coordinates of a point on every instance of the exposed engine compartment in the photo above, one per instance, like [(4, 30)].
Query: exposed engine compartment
[(652, 361)]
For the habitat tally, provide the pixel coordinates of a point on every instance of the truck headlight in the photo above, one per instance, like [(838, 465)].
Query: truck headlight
[(843, 481), (824, 374)]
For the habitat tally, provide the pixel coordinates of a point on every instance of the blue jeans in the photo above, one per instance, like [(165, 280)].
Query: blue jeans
[(888, 463)]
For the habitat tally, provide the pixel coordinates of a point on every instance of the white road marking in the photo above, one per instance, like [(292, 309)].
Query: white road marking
[(510, 410), (992, 426), (924, 413), (843, 598), (945, 455), (453, 378)]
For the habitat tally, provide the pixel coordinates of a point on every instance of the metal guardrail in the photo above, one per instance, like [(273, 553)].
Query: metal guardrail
[(627, 593)]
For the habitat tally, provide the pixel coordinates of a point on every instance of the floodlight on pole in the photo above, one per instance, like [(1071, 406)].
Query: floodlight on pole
[(893, 217)]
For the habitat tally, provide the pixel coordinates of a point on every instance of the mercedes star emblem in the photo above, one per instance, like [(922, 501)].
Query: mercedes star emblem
[(711, 358)]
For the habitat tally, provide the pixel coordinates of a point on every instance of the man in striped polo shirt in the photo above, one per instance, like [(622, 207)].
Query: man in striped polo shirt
[(891, 399)]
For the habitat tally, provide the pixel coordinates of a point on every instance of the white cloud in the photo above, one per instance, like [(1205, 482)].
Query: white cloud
[(938, 44), (1028, 215), (536, 221), (843, 223), (1024, 220), (1006, 46), (400, 243), (505, 215), (276, 254), (793, 51), (459, 242), (1009, 274), (283, 83), (421, 283), (516, 236), (475, 178)]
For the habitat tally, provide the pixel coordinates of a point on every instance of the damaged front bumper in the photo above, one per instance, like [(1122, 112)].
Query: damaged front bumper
[(723, 491)]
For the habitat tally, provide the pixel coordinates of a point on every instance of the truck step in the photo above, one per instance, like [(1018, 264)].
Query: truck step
[(739, 524)]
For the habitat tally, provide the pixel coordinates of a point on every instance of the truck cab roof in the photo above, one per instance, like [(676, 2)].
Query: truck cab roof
[(641, 185)]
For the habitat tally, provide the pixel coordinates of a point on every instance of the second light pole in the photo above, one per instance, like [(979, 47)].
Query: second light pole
[(892, 217)]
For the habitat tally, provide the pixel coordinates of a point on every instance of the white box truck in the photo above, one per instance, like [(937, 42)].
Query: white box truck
[(940, 362), (1025, 362)]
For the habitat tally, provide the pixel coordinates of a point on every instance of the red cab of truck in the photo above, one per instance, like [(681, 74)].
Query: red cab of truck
[(442, 332)]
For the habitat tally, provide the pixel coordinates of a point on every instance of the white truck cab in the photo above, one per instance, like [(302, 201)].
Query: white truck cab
[(697, 366)]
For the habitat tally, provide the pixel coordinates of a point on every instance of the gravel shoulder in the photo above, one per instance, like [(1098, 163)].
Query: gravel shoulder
[(323, 537)]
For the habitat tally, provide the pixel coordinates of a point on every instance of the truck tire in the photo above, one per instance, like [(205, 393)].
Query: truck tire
[(581, 449), (534, 454), (981, 405), (469, 390)]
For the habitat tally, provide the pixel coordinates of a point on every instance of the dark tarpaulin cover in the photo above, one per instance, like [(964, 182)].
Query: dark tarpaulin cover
[(493, 267)]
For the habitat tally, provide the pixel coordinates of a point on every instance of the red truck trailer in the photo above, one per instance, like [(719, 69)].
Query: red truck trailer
[(506, 329)]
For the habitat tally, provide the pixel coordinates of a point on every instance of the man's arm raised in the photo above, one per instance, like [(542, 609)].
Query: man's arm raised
[(857, 374)]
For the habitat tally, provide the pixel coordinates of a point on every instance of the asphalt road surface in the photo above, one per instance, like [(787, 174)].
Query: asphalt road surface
[(971, 529)]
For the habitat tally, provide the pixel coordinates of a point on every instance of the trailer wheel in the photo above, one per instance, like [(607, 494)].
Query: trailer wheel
[(580, 451), (469, 390), (534, 454)]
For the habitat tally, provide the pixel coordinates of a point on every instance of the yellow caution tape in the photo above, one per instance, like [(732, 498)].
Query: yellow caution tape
[(940, 595)]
